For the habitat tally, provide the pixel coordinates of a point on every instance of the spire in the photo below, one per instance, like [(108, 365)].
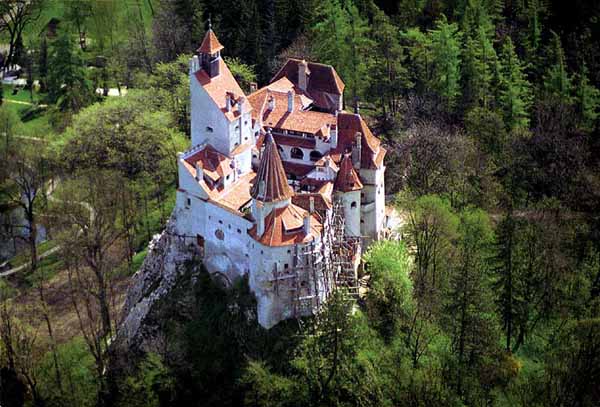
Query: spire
[(210, 44), (271, 184), (347, 179)]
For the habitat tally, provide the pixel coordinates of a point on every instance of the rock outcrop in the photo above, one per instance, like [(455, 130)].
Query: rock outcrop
[(170, 258)]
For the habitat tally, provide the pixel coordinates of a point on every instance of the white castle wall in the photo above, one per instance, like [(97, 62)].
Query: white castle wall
[(373, 202), (351, 206), (206, 114)]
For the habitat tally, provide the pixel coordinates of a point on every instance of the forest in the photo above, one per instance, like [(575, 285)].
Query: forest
[(489, 110)]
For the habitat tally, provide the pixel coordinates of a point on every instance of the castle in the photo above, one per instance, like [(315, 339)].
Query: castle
[(259, 188)]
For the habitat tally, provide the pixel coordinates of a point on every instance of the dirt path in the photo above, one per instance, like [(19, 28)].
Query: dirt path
[(49, 191)]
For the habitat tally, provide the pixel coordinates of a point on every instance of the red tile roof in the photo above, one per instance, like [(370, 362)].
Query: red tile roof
[(322, 78), (322, 202), (347, 179), (295, 141), (220, 86), (284, 226), (299, 170), (271, 175), (306, 121), (349, 124), (210, 43), (214, 164)]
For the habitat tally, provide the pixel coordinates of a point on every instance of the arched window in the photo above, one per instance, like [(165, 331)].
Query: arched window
[(297, 153), (353, 205), (281, 153), (315, 155)]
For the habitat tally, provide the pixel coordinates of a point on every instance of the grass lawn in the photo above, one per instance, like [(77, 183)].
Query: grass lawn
[(39, 125)]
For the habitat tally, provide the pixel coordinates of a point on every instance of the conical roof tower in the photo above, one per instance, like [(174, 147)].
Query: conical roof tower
[(271, 183)]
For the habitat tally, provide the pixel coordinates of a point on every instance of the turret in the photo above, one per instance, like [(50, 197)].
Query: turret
[(347, 189), (209, 53)]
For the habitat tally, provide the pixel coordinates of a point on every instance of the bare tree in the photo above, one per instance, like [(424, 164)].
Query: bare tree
[(92, 239), (27, 175), (15, 15)]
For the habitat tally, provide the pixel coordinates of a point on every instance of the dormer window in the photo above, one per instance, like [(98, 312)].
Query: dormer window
[(209, 129)]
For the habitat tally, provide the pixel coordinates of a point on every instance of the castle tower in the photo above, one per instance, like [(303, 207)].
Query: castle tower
[(209, 53), (270, 189), (347, 189), (220, 112)]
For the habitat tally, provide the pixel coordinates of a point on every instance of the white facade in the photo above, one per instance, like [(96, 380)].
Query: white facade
[(220, 226)]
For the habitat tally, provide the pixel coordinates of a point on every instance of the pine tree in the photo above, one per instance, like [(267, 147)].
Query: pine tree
[(341, 39), (446, 53), (505, 280), (479, 61), (515, 91), (468, 302), (556, 80), (476, 18), (67, 84), (389, 77), (587, 100)]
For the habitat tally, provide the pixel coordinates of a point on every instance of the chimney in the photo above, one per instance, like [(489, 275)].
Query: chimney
[(307, 223), (303, 75), (260, 221), (271, 103), (199, 172), (253, 87), (290, 101), (356, 151), (311, 204), (333, 140), (241, 105), (228, 102), (356, 106)]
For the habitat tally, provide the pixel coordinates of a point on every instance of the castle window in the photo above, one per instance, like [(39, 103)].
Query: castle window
[(315, 155), (188, 202), (209, 129), (227, 177), (221, 222), (239, 231), (297, 153), (353, 204), (286, 266), (219, 234)]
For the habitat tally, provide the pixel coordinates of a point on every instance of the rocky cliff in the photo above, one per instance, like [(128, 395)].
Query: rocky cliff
[(170, 261)]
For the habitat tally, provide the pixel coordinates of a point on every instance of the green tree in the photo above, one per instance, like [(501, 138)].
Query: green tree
[(468, 307), (515, 93), (389, 77), (341, 38), (431, 228), (68, 86), (556, 80), (243, 73), (446, 61), (479, 61), (587, 100), (389, 300)]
